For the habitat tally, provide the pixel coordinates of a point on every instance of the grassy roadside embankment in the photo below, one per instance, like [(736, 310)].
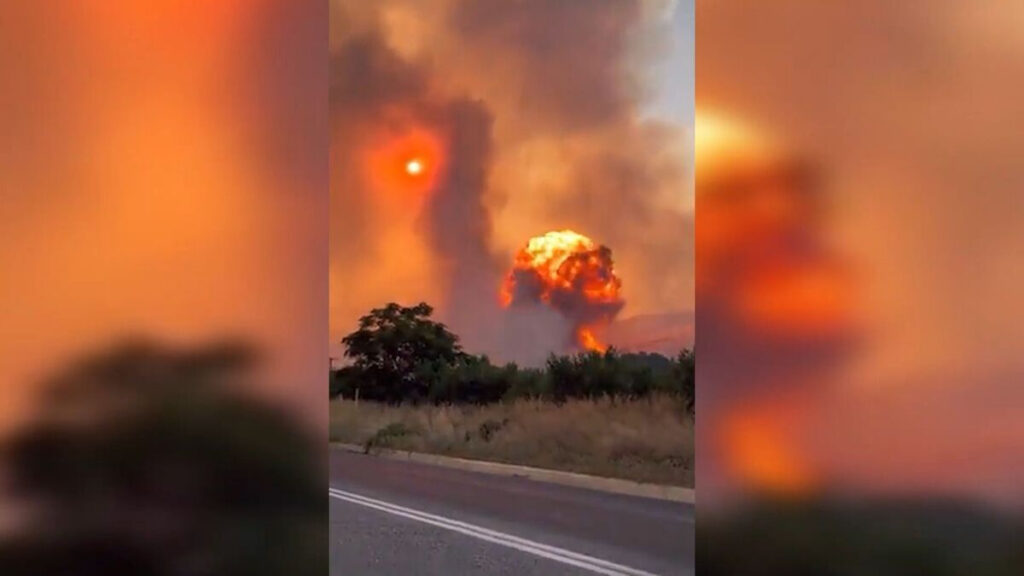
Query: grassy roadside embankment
[(647, 440)]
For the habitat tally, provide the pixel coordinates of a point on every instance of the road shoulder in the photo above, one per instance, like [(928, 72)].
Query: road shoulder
[(612, 485)]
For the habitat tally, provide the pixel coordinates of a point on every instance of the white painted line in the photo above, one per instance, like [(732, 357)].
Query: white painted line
[(562, 555)]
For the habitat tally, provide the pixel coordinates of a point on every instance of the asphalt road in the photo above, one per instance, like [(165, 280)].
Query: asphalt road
[(393, 517)]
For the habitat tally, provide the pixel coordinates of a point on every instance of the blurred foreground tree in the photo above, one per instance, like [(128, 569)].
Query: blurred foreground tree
[(880, 536), (154, 461)]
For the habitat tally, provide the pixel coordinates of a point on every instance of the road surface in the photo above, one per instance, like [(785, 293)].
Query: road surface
[(391, 517)]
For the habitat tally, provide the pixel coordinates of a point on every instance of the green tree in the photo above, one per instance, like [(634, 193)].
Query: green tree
[(397, 352)]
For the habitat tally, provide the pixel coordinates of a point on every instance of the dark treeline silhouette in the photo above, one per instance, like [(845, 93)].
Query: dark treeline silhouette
[(152, 460), (879, 536), (398, 354)]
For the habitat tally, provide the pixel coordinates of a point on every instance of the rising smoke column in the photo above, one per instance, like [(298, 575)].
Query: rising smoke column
[(536, 111), (409, 172), (571, 274), (458, 223)]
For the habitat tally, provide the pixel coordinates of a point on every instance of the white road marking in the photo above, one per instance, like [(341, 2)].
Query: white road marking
[(529, 546)]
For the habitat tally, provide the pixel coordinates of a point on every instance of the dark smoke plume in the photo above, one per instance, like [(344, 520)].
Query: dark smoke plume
[(374, 90), (538, 109)]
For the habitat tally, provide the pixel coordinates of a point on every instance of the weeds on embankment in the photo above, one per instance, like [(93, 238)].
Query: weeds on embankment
[(647, 440)]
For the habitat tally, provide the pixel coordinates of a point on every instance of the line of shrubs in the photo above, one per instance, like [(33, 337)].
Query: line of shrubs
[(473, 379)]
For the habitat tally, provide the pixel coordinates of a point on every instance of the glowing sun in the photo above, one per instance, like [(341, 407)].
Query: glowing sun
[(414, 167)]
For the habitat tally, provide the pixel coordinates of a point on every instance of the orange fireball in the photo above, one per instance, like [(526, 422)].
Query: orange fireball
[(572, 274)]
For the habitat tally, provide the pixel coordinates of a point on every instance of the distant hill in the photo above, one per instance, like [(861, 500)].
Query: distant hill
[(662, 333)]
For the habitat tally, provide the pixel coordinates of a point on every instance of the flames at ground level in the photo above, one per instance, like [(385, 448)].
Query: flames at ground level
[(587, 340), (572, 274)]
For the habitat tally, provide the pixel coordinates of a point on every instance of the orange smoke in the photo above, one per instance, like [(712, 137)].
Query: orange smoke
[(760, 251), (572, 274), (775, 293), (759, 443)]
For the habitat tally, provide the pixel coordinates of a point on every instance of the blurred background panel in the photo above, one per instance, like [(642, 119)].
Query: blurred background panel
[(163, 252), (858, 240), (163, 173)]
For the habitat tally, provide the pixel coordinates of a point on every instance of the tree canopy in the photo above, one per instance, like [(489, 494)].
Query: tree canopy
[(393, 344), (399, 355)]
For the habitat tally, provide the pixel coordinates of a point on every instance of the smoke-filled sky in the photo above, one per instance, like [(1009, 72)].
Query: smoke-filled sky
[(904, 109), (162, 175), (528, 117)]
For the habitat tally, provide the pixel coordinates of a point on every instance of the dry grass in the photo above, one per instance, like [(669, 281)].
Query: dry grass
[(648, 440)]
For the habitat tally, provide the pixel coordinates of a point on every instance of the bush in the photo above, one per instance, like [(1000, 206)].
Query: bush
[(684, 378), (530, 383), (593, 375), (386, 435), (400, 355), (473, 380), (344, 382), (491, 427)]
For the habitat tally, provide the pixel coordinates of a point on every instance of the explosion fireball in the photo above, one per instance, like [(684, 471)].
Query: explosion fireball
[(572, 274)]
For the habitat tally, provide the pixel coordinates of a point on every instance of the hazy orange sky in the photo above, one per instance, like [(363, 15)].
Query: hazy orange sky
[(158, 181), (569, 108), (901, 108)]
